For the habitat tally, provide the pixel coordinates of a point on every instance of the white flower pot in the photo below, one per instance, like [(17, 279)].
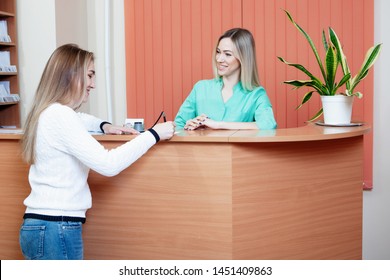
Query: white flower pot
[(337, 109)]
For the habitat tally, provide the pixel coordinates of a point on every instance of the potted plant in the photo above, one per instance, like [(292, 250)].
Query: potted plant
[(328, 87)]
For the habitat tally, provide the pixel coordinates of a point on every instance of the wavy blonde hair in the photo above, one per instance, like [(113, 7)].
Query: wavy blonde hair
[(246, 54), (62, 81)]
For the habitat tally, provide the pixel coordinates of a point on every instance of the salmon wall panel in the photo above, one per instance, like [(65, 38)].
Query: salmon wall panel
[(156, 58), (367, 88), (130, 55), (169, 46), (290, 99), (304, 55), (178, 50)]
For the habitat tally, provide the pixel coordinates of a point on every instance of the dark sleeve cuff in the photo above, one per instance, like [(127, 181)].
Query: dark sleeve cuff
[(101, 125), (154, 134)]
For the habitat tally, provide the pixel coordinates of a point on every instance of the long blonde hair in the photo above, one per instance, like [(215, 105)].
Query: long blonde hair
[(246, 54), (62, 81)]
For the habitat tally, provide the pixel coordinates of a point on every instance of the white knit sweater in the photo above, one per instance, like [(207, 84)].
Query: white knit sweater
[(65, 152)]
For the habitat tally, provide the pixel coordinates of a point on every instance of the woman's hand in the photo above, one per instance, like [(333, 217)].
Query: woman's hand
[(201, 121), (113, 129), (165, 130), (197, 122)]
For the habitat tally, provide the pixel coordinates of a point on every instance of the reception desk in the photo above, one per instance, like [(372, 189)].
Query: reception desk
[(216, 194)]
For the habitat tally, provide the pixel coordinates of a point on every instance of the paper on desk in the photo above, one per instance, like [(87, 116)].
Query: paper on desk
[(11, 131)]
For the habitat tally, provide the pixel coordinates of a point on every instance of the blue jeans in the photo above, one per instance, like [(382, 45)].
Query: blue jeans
[(47, 240)]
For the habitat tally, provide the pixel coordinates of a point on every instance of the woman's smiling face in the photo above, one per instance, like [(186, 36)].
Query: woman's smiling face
[(89, 80), (227, 63)]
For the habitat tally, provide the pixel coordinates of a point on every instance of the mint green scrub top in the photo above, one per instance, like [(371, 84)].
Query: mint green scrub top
[(243, 105)]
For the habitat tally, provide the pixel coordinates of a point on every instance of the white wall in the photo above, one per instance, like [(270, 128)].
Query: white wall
[(36, 42), (117, 70), (71, 22), (44, 25), (38, 37), (376, 206)]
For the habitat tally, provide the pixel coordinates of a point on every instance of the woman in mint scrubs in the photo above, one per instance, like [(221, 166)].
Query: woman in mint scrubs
[(234, 99)]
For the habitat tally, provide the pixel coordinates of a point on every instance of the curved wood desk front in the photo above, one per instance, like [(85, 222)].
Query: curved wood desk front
[(285, 194)]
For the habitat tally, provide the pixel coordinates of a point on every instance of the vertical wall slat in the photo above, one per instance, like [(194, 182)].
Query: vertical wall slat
[(291, 51), (208, 40), (249, 21), (140, 59), (358, 51), (368, 89), (277, 88), (131, 51), (178, 59), (314, 30), (149, 56), (216, 19), (237, 13), (167, 58), (269, 75), (157, 61), (196, 39), (304, 55)]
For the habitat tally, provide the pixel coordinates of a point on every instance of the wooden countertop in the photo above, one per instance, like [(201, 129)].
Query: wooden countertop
[(215, 194), (310, 132)]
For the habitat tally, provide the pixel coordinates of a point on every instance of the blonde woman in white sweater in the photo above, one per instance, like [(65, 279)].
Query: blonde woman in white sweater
[(61, 151)]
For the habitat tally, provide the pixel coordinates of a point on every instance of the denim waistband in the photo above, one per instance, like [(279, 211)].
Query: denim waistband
[(54, 218)]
